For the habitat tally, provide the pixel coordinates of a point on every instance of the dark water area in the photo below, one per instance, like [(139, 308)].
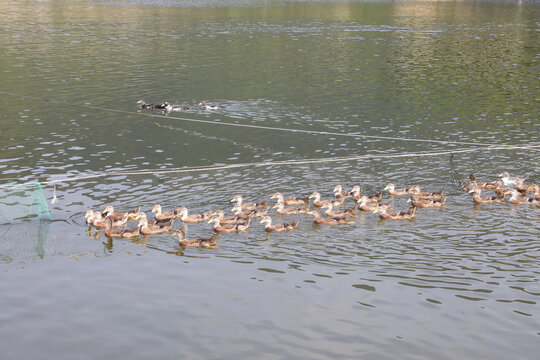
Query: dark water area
[(386, 82)]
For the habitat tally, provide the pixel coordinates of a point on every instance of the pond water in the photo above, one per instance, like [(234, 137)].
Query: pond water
[(372, 80)]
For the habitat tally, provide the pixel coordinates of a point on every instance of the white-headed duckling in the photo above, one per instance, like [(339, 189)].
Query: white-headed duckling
[(401, 215), (205, 106), (89, 217), (109, 212), (316, 196), (487, 199), (507, 180), (391, 188), (365, 205), (125, 233), (101, 222), (329, 220), (278, 227), (418, 194), (199, 242), (249, 205), (168, 107), (424, 203), (194, 218), (339, 193), (281, 209), (250, 213), (290, 200), (166, 215)]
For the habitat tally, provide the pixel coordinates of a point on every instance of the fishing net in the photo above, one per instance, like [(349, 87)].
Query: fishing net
[(23, 203)]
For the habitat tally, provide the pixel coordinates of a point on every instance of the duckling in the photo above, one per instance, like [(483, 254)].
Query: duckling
[(338, 192), (109, 212), (290, 200), (524, 188), (199, 242), (194, 218), (426, 194), (466, 186), (168, 107), (490, 185), (423, 203), (156, 228), (278, 227), (398, 192), (339, 213), (153, 222), (89, 217), (329, 220), (507, 181), (249, 213), (166, 215), (371, 198), (281, 209), (249, 205), (228, 227), (205, 106), (363, 204), (487, 199), (229, 219), (316, 196), (401, 215), (125, 233), (516, 198), (143, 105), (101, 222)]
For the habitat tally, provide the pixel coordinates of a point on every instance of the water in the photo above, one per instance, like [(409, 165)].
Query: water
[(457, 282)]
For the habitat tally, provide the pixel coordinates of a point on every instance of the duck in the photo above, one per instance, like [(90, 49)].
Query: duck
[(507, 181), (290, 200), (426, 194), (401, 215), (154, 222), (281, 209), (194, 218), (124, 233), (329, 220), (228, 227), (101, 222), (205, 106), (522, 188), (466, 186), (487, 199), (371, 198), (166, 215), (364, 205), (278, 227), (229, 219), (143, 105), (249, 205), (338, 192), (339, 213), (424, 203), (109, 212), (156, 228), (199, 242), (391, 188), (316, 196), (516, 198), (89, 217), (249, 213), (168, 107), (489, 185)]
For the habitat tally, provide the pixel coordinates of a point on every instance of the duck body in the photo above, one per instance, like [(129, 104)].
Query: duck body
[(339, 193), (281, 209), (109, 212), (250, 213), (230, 219), (424, 203), (426, 194), (228, 227), (391, 188), (249, 205), (199, 242), (205, 106), (278, 227), (194, 218), (508, 181), (329, 220), (339, 213), (516, 198), (290, 200), (168, 107), (156, 228), (316, 196), (124, 233), (89, 217), (364, 205), (477, 198), (401, 215), (166, 215), (486, 185)]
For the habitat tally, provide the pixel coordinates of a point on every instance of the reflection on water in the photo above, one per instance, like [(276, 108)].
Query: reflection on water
[(463, 274)]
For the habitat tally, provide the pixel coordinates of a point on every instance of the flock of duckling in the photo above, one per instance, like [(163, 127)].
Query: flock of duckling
[(165, 107), (114, 222)]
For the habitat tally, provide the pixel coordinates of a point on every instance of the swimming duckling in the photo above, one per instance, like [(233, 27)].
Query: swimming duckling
[(125, 233), (228, 227), (168, 214), (338, 192), (487, 199), (339, 213), (364, 205), (205, 106), (281, 209), (489, 185), (401, 215), (516, 198), (278, 227), (229, 219), (371, 198), (316, 196), (249, 205), (101, 222), (507, 181), (89, 217), (398, 192), (156, 228), (424, 203), (168, 107), (329, 220), (199, 242), (109, 212), (426, 194), (250, 213), (290, 200), (194, 218)]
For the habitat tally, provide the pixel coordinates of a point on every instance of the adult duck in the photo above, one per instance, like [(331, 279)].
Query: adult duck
[(401, 215), (198, 242), (281, 209), (391, 188), (124, 233), (249, 205), (329, 220), (290, 200), (424, 203), (278, 227), (477, 198), (316, 196), (155, 228), (194, 218), (159, 215)]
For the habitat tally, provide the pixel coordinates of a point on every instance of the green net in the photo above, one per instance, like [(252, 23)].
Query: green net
[(19, 204)]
